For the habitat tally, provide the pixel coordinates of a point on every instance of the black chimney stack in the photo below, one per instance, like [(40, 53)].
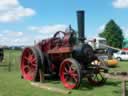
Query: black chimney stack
[(80, 21)]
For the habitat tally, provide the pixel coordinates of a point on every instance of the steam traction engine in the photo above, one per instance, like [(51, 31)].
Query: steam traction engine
[(64, 55)]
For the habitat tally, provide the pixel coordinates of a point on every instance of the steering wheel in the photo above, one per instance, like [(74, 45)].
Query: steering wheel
[(58, 38), (59, 35)]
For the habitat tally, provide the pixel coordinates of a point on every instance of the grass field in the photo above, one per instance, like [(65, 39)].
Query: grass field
[(11, 83)]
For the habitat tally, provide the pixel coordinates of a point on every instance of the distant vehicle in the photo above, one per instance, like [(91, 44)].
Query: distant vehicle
[(98, 43), (108, 62), (111, 51), (121, 55)]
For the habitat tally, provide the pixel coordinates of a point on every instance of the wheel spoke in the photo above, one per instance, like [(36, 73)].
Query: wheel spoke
[(70, 69), (26, 68), (75, 76), (33, 60), (95, 77), (34, 65), (26, 58), (31, 57), (101, 75), (66, 70), (76, 80)]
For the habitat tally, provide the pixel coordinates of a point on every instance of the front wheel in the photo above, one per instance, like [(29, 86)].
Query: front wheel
[(97, 78), (70, 73)]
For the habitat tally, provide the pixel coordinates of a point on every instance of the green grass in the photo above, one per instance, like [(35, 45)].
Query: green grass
[(11, 83)]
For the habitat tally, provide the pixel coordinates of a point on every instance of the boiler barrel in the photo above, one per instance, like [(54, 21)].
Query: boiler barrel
[(80, 21)]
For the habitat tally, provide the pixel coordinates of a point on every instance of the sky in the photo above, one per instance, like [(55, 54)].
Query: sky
[(23, 21)]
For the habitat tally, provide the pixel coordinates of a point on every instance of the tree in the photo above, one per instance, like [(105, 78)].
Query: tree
[(113, 34)]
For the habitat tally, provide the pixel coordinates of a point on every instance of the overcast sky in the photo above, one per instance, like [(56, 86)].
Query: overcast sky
[(23, 21)]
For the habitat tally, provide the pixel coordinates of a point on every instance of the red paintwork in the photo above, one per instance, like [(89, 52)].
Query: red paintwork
[(57, 50), (28, 64), (55, 47), (58, 56), (72, 75), (60, 50), (125, 49)]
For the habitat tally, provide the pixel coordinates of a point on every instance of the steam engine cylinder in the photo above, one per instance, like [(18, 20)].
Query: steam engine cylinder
[(84, 53)]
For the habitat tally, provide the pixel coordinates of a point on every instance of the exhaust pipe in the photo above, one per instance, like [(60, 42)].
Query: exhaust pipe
[(80, 21)]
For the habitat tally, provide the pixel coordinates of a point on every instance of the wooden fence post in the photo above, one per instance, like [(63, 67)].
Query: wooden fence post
[(9, 62), (123, 88)]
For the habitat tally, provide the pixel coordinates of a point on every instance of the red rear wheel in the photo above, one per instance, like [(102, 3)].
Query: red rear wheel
[(29, 63), (70, 73)]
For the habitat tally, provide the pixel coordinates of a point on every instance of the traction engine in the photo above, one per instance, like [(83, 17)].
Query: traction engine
[(66, 56)]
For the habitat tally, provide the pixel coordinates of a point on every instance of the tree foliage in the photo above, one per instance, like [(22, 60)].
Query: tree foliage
[(113, 34)]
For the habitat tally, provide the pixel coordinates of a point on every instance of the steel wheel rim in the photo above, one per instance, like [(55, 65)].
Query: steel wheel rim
[(28, 64), (71, 73)]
